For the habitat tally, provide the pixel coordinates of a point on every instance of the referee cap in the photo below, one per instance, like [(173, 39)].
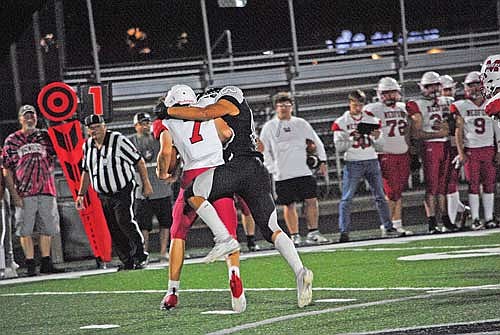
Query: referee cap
[(92, 119)]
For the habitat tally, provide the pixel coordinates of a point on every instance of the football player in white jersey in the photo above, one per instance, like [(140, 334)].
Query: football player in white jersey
[(454, 205), (476, 134), (359, 149), (429, 115), (199, 144), (394, 158)]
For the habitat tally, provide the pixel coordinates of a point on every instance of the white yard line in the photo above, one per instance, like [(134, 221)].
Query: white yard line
[(252, 325), (263, 289)]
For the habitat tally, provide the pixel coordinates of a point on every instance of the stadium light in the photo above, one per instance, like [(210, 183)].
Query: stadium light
[(232, 3)]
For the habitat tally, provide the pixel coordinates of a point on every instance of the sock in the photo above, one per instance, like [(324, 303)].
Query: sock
[(314, 229), (431, 220), (286, 248), (446, 221), (250, 240), (209, 215), (397, 224), (474, 205), (173, 284), (235, 269), (453, 201), (488, 200)]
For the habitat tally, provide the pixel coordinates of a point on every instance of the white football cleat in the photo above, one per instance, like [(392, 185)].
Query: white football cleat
[(304, 287), (222, 249)]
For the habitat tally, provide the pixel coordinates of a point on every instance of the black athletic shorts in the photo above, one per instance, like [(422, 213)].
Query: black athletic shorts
[(295, 190), (146, 208)]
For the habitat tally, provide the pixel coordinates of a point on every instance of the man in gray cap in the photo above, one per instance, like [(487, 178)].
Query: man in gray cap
[(159, 204), (28, 157)]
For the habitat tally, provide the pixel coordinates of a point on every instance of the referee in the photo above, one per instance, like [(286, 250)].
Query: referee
[(108, 164)]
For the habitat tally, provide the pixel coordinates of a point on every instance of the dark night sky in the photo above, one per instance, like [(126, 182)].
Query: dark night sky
[(261, 25)]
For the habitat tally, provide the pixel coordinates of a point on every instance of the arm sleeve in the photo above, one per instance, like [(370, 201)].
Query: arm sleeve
[(312, 135), (84, 157), (157, 128), (269, 160), (128, 151), (341, 139), (412, 108)]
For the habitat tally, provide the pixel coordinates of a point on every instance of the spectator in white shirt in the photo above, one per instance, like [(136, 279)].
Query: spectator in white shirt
[(284, 139)]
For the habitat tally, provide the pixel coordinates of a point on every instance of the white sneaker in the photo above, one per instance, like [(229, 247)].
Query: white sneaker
[(393, 232), (304, 287), (14, 266), (238, 300), (403, 231), (9, 273), (296, 239), (221, 249), (315, 237)]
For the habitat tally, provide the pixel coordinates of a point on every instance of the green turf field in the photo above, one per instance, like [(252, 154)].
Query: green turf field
[(381, 292)]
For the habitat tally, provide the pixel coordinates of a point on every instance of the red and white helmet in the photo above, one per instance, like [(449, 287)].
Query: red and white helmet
[(180, 95), (388, 91), (472, 91), (490, 75), (430, 85)]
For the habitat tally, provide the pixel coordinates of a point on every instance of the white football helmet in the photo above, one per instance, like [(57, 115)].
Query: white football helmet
[(207, 98), (385, 86), (447, 85), (472, 85), (447, 81), (490, 75), (430, 85), (180, 95)]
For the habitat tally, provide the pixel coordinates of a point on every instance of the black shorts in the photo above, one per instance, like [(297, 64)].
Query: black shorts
[(295, 190), (146, 208)]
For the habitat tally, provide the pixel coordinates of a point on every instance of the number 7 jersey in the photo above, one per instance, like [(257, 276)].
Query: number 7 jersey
[(197, 142)]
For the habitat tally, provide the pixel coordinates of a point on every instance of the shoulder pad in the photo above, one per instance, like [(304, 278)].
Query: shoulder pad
[(231, 91)]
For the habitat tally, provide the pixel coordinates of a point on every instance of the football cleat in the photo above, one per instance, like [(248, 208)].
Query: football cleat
[(344, 237), (304, 287), (222, 249), (392, 232), (238, 300), (169, 301)]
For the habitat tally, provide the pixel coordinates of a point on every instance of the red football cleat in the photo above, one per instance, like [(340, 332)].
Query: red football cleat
[(169, 301), (238, 300)]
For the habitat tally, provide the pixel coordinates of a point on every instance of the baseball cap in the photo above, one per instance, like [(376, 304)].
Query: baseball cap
[(26, 109), (140, 117), (92, 119)]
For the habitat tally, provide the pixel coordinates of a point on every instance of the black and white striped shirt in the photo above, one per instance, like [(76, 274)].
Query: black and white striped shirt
[(112, 167)]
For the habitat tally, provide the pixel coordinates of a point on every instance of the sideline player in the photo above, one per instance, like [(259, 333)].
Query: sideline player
[(454, 205), (429, 115), (490, 79), (477, 149), (394, 158)]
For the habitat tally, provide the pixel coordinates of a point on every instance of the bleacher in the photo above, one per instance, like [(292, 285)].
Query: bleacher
[(320, 85)]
